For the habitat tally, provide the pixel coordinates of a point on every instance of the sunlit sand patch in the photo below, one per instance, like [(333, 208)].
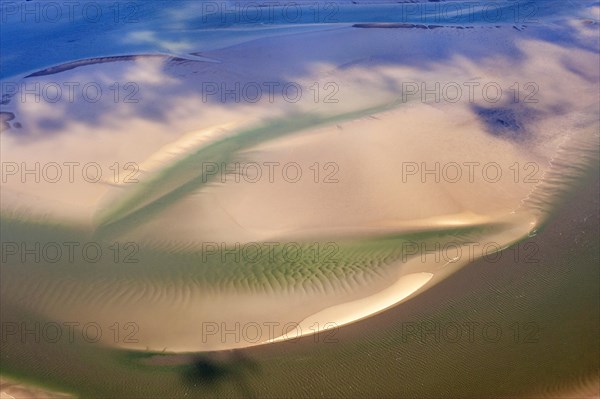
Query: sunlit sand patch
[(347, 312), (13, 390)]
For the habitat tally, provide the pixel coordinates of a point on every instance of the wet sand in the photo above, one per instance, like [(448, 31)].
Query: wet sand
[(370, 213), (558, 294), (102, 60)]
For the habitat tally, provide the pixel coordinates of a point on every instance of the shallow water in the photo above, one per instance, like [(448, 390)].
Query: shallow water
[(363, 228)]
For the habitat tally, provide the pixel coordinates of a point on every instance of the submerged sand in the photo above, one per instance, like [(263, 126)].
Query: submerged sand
[(371, 211), (369, 139), (365, 227)]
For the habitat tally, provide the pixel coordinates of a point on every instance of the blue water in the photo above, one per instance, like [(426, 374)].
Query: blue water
[(38, 34)]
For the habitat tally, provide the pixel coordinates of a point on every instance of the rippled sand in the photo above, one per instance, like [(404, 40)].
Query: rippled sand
[(371, 214)]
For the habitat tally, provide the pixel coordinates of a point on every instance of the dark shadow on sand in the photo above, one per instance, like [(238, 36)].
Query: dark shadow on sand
[(212, 371)]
